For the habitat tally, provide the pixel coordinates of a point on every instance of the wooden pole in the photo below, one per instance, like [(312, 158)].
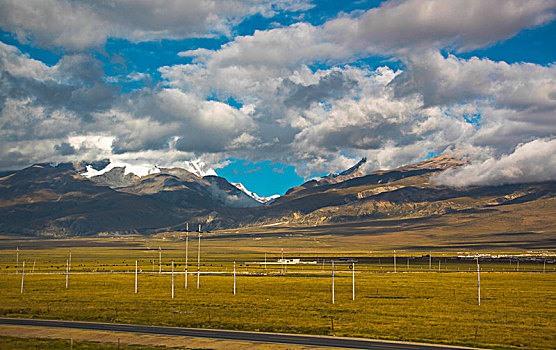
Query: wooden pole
[(34, 262), (430, 261), (17, 261), (172, 280), (69, 264), (135, 276), (159, 260), (22, 276)]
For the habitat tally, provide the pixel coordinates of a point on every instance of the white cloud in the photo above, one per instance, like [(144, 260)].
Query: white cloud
[(242, 141), (195, 53), (317, 119), (275, 48), (534, 161), (15, 63), (449, 80), (78, 25), (403, 26)]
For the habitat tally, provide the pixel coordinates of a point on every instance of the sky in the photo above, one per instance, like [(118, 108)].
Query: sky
[(273, 93)]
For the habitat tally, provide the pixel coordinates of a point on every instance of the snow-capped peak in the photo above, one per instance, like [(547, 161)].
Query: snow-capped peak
[(354, 170), (253, 195), (138, 170), (199, 168), (195, 167)]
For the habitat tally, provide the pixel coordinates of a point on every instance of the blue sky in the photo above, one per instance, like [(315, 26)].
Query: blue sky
[(272, 94)]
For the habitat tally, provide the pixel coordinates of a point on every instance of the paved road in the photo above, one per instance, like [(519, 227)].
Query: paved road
[(347, 343)]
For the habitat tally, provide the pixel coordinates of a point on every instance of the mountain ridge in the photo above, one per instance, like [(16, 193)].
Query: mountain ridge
[(47, 200)]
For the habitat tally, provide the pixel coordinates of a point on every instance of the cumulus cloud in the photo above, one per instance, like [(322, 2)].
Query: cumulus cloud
[(42, 102), (12, 61), (331, 86), (196, 53), (151, 120), (448, 80), (534, 161), (318, 119), (77, 25), (400, 26), (436, 104)]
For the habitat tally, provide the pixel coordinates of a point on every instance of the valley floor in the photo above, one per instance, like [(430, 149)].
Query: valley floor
[(434, 299)]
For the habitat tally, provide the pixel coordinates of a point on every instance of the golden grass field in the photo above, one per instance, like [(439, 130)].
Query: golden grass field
[(518, 308)]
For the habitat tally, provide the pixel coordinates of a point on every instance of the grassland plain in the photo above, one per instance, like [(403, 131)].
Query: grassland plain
[(518, 309)]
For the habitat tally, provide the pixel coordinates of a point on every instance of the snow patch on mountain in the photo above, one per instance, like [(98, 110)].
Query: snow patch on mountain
[(354, 171), (139, 170), (265, 200), (197, 168)]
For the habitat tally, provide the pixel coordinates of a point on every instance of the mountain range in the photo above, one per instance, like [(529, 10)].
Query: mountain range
[(106, 197)]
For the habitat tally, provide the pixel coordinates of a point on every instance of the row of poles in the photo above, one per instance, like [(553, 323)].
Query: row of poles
[(68, 264), (234, 280), (283, 267)]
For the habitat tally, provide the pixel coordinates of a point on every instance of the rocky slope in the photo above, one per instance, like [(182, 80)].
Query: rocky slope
[(46, 200), (398, 193), (43, 199)]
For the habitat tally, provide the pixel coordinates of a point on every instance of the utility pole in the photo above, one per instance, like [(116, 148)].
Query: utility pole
[(353, 280), (172, 280), (199, 258), (135, 276), (186, 257), (395, 270), (332, 281), (234, 278), (22, 277), (34, 262), (67, 273), (478, 282), (430, 261), (17, 261), (282, 260), (69, 266), (159, 260)]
